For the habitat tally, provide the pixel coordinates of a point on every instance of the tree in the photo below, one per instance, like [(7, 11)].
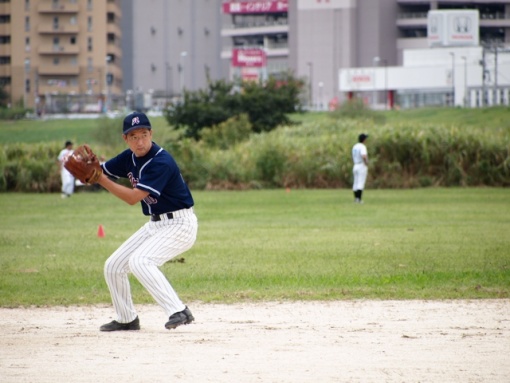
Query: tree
[(266, 104)]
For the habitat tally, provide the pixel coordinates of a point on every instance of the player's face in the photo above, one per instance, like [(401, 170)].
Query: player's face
[(139, 141)]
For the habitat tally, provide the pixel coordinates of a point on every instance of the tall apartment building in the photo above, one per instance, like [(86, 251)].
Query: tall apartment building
[(61, 55)]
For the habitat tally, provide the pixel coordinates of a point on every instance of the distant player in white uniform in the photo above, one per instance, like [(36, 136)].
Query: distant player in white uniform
[(360, 168), (157, 185), (66, 177)]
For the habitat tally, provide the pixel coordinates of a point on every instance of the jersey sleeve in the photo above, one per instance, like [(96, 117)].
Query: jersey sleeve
[(116, 167)]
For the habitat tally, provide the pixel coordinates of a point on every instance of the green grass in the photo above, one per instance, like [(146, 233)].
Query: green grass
[(85, 130), (77, 130), (269, 245)]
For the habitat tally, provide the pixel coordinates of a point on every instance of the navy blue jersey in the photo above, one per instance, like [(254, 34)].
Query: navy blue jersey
[(157, 173)]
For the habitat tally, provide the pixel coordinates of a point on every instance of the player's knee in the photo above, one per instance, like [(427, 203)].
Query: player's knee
[(138, 264)]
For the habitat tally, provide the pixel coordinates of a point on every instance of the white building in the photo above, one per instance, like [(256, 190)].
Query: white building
[(454, 70)]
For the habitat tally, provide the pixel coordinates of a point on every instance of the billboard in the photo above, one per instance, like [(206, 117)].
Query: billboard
[(447, 28), (248, 58), (256, 6)]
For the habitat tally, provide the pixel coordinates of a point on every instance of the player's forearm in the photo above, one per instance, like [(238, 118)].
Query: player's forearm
[(128, 195)]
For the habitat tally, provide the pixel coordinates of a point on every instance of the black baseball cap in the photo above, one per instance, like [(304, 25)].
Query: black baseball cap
[(362, 137), (68, 143), (134, 121)]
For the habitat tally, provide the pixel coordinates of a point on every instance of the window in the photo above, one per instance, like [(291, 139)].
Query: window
[(72, 40), (56, 60), (27, 24), (55, 23), (27, 44), (90, 65), (89, 44), (56, 43), (27, 5), (89, 24), (89, 5), (72, 20)]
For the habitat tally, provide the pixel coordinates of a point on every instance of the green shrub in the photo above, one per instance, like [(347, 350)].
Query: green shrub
[(228, 133)]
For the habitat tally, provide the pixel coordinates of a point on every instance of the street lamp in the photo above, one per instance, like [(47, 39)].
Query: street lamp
[(453, 78), (321, 85), (181, 72), (385, 63), (374, 95), (310, 80), (465, 82), (168, 74)]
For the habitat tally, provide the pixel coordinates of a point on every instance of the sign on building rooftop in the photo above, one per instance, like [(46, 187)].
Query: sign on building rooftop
[(449, 28)]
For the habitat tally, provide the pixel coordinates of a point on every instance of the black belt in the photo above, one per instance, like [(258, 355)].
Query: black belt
[(157, 217)]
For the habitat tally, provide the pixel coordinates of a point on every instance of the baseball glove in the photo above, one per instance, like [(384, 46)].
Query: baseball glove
[(84, 165)]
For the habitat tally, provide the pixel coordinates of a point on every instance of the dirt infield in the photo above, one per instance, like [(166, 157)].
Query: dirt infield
[(342, 341)]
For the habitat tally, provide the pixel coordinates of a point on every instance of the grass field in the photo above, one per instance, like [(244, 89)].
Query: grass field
[(269, 245), (89, 130)]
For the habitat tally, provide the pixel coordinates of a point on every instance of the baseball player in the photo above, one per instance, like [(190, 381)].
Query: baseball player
[(360, 168), (165, 198), (66, 177)]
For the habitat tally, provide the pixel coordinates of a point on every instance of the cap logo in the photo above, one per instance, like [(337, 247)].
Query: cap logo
[(135, 121)]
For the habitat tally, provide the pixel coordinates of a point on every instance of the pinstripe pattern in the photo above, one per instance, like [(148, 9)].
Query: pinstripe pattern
[(150, 247)]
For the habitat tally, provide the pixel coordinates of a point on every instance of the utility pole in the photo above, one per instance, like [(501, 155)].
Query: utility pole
[(495, 95), (453, 78), (483, 75)]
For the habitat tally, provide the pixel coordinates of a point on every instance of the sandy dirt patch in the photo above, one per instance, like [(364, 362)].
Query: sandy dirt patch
[(341, 341)]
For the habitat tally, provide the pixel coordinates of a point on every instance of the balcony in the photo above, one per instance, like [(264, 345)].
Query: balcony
[(58, 50), (272, 50), (63, 29), (5, 29), (266, 28), (5, 49), (62, 88), (412, 20), (5, 8), (114, 49), (5, 70), (495, 20), (113, 28), (58, 70), (49, 8)]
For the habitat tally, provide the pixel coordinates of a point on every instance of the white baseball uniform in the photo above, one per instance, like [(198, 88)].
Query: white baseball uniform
[(360, 169), (66, 177)]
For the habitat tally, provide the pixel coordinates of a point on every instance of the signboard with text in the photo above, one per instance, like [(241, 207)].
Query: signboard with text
[(248, 58), (257, 6), (453, 28)]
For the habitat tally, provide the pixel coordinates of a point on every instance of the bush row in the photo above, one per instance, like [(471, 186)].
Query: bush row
[(312, 155)]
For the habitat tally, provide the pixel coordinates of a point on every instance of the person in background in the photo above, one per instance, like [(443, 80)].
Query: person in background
[(67, 178), (360, 168)]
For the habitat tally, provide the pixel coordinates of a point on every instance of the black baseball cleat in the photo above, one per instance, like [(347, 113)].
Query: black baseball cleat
[(180, 318), (116, 326)]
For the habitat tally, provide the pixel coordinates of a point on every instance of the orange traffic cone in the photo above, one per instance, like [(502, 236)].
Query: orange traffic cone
[(100, 231)]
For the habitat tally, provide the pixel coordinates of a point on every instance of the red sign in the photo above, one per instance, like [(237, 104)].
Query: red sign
[(257, 6), (248, 58)]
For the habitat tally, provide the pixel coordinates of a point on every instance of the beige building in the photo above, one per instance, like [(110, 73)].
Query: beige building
[(61, 55)]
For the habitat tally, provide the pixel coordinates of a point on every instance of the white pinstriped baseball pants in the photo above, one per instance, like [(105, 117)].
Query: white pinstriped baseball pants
[(150, 247)]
